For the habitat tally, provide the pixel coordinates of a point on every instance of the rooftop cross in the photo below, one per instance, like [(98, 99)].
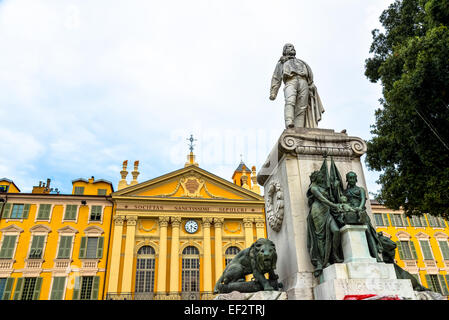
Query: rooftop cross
[(191, 145)]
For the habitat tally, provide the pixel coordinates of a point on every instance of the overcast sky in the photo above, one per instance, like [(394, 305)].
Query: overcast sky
[(86, 85)]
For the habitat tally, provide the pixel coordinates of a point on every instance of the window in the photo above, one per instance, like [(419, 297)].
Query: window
[(8, 245), (436, 222), (70, 212), (406, 250), (145, 269), (28, 289), (37, 246), (381, 219), (6, 288), (190, 269), (58, 288), (436, 282), (91, 248), (79, 190), (102, 192), (86, 288), (95, 213), (4, 188), (426, 250), (230, 253), (16, 211), (398, 220), (65, 247), (44, 212), (444, 249), (418, 221)]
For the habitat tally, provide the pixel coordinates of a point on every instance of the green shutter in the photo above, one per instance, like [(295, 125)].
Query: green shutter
[(412, 247), (65, 244), (37, 244), (100, 247), (8, 245), (386, 223), (19, 288), (7, 211), (429, 282), (26, 211), (399, 246), (77, 289), (423, 221), (444, 249), (404, 218), (95, 288), (44, 211), (57, 291), (37, 288), (70, 212), (426, 251), (443, 285), (83, 247), (8, 289)]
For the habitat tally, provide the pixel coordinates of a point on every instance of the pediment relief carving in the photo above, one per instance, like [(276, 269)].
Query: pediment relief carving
[(40, 228), (67, 230), (191, 184), (93, 230), (12, 229)]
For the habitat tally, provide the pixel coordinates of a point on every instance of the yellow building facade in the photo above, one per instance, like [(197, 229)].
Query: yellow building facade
[(422, 242), (54, 246), (173, 235)]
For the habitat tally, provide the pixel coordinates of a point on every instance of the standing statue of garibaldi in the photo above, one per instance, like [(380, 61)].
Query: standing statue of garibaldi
[(303, 107)]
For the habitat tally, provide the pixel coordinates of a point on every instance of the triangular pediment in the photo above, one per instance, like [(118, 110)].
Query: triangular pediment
[(190, 182)]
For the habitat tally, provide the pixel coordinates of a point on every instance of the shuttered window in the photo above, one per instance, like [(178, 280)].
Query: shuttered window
[(7, 290), (95, 213), (28, 289), (65, 247), (58, 288), (16, 211), (44, 212), (91, 248), (37, 247), (79, 190), (8, 245), (444, 249), (86, 288), (70, 212), (406, 250), (426, 250), (102, 192)]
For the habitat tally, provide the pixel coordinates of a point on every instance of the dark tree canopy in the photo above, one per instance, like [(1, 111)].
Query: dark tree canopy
[(410, 143)]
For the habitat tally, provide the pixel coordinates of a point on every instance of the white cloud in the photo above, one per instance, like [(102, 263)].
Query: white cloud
[(98, 82)]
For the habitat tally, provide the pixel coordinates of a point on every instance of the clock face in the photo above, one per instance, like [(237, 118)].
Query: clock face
[(191, 226)]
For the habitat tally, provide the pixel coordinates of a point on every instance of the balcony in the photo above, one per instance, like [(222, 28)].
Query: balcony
[(160, 296)]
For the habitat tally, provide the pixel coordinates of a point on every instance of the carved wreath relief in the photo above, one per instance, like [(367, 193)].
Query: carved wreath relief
[(274, 204)]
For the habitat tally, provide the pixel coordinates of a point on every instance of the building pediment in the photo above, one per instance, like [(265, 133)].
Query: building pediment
[(67, 230), (12, 229), (40, 228), (190, 182)]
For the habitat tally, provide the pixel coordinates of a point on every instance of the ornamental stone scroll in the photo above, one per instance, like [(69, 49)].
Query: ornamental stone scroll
[(274, 202)]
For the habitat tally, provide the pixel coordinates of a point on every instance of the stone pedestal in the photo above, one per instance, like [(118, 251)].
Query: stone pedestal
[(295, 156), (354, 244)]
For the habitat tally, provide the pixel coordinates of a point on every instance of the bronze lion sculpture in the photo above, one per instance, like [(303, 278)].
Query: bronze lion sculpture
[(258, 260)]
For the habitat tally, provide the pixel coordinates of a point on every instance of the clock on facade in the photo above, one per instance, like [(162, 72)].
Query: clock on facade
[(191, 226)]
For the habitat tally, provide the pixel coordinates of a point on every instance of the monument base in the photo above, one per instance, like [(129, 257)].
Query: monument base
[(259, 295)]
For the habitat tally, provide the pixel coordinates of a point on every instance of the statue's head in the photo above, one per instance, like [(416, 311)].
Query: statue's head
[(288, 50), (264, 251), (351, 178), (317, 177)]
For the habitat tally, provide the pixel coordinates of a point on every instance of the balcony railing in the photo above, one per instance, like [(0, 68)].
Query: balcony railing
[(160, 296)]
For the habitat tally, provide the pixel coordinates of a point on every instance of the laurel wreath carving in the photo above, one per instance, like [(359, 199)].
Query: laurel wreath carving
[(274, 204)]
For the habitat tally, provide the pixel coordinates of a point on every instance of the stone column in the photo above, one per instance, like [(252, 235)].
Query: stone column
[(131, 222), (260, 228), (162, 264), (218, 224), (207, 255), (249, 238), (174, 258), (115, 254)]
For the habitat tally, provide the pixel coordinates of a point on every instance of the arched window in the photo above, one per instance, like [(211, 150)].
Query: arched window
[(145, 270), (230, 253), (190, 269)]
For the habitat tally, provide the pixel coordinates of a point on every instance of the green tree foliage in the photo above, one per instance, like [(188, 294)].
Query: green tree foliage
[(410, 143)]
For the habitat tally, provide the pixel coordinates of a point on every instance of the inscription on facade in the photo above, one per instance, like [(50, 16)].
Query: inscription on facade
[(187, 208)]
